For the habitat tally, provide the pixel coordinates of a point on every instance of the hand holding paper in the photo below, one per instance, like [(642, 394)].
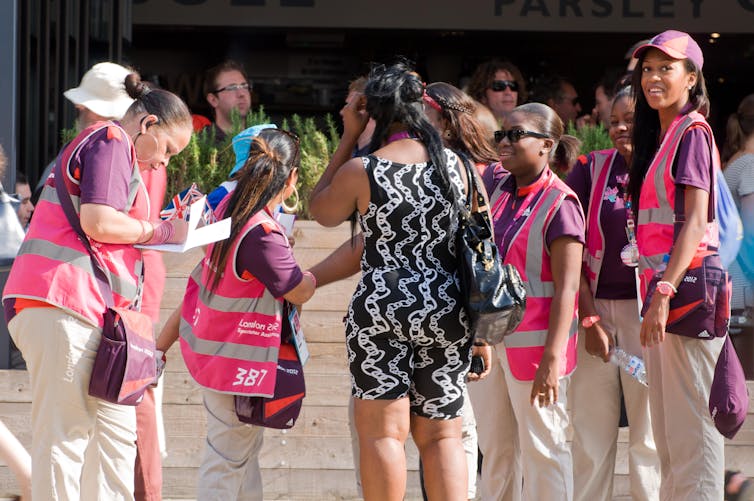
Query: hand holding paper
[(196, 236)]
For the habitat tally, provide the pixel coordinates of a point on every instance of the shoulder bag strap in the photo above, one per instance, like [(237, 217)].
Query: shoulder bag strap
[(73, 219)]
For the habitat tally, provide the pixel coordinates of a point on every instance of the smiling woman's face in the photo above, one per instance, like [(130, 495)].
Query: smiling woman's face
[(527, 155), (622, 125)]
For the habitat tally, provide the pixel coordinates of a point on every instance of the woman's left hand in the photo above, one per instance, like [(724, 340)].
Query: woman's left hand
[(544, 389), (655, 320), (484, 351)]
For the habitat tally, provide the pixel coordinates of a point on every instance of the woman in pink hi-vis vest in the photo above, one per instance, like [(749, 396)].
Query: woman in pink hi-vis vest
[(671, 177), (539, 228), (232, 315), (83, 447), (609, 316)]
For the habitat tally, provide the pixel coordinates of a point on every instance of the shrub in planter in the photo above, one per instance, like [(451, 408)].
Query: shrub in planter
[(207, 164)]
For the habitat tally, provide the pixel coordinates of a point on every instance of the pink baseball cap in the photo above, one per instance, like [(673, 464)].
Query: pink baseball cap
[(676, 44)]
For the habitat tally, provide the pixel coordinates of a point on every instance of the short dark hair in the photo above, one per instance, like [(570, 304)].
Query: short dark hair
[(210, 76), (21, 178), (548, 87)]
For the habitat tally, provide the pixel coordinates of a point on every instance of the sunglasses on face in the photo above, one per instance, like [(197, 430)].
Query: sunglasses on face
[(515, 135), (233, 88), (501, 85)]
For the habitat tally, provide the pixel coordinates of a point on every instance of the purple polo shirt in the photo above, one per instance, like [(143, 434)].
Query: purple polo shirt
[(268, 257), (693, 165), (105, 170), (567, 221), (616, 280)]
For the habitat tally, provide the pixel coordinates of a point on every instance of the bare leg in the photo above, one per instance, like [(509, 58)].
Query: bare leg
[(17, 459), (443, 457), (383, 427)]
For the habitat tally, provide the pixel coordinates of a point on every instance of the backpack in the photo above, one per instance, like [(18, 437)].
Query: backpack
[(729, 222)]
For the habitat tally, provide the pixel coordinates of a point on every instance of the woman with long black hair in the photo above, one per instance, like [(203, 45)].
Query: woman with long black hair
[(408, 337), (671, 179)]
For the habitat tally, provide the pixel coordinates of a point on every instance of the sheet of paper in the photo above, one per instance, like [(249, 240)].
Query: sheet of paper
[(286, 221), (196, 236)]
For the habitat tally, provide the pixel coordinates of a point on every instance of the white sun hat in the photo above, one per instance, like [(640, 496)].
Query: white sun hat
[(103, 91)]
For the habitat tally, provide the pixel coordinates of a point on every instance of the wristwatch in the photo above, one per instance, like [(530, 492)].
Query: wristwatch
[(589, 321), (666, 289)]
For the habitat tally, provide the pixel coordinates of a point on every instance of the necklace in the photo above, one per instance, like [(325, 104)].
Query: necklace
[(404, 134)]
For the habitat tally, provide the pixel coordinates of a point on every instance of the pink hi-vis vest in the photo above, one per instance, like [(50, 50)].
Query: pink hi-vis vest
[(529, 254), (656, 217), (594, 253), (230, 336), (54, 266)]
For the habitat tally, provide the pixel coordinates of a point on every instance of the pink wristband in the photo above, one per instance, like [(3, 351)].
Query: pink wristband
[(311, 275), (162, 233)]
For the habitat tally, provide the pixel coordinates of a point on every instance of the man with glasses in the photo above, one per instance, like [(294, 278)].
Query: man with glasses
[(226, 88)]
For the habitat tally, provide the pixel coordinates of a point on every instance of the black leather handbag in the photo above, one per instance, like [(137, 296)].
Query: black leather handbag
[(494, 293)]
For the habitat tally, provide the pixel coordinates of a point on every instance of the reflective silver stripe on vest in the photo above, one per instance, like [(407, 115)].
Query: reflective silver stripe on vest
[(50, 194), (534, 339), (664, 214), (535, 286), (227, 349), (657, 215), (602, 161), (75, 258), (265, 304)]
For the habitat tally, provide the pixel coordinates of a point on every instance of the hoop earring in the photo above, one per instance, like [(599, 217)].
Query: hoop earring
[(290, 209), (156, 145)]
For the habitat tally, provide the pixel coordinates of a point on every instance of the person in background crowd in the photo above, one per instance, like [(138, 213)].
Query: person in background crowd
[(396, 315), (99, 97), (499, 85), (23, 193), (227, 88), (487, 120), (12, 452), (559, 94), (452, 113), (84, 447), (520, 407), (668, 185), (738, 158), (609, 315), (603, 97), (356, 92)]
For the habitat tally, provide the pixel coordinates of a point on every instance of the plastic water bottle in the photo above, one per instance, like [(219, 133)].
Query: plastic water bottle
[(633, 365)]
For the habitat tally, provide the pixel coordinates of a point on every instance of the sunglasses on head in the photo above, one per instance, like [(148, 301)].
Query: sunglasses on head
[(515, 135), (501, 85)]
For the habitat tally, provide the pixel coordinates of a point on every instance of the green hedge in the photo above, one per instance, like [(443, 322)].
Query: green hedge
[(207, 164)]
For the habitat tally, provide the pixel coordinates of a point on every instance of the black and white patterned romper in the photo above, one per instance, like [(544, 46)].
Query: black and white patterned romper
[(406, 329)]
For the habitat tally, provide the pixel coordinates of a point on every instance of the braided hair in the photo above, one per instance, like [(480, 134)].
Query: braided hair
[(467, 135)]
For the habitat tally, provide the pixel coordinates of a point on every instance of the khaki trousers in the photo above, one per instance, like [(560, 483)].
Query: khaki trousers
[(692, 460), (82, 447), (524, 448), (230, 467), (595, 413)]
